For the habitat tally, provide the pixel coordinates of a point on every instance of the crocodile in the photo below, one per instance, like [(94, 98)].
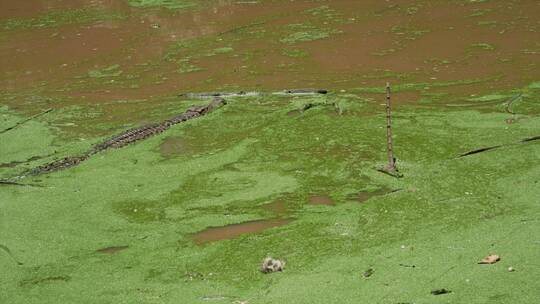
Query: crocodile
[(140, 133), (128, 137)]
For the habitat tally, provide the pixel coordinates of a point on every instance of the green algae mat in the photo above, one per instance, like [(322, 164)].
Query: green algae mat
[(189, 215), (125, 226)]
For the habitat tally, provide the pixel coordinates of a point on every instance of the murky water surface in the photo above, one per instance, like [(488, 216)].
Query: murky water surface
[(95, 52), (231, 231), (277, 207)]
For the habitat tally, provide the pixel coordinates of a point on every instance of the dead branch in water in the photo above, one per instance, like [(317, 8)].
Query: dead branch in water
[(480, 150), (485, 149), (531, 139)]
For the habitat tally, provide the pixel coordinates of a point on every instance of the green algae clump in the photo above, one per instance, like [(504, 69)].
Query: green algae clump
[(169, 4)]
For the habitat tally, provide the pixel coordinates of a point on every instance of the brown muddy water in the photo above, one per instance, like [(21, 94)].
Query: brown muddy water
[(232, 231), (321, 200), (278, 207), (117, 52), (121, 65)]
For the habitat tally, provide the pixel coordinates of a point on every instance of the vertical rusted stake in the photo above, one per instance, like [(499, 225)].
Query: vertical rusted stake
[(389, 148), (391, 167)]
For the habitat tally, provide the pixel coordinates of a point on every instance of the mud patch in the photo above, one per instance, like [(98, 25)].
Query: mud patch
[(277, 207), (112, 249), (321, 200), (235, 230)]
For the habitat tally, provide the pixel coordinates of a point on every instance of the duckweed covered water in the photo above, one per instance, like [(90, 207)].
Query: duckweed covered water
[(270, 175)]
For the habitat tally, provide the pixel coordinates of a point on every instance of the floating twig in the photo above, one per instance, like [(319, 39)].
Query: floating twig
[(531, 139), (485, 149), (480, 150)]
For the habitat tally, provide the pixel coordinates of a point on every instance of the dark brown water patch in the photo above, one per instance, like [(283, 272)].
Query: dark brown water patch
[(363, 196), (30, 8), (321, 200), (112, 249), (429, 45), (213, 234), (278, 207)]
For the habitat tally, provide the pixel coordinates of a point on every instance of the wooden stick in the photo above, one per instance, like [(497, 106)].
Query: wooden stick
[(389, 144), (390, 168)]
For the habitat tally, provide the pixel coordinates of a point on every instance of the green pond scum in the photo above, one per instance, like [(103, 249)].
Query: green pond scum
[(189, 215), (59, 18), (169, 4), (448, 213)]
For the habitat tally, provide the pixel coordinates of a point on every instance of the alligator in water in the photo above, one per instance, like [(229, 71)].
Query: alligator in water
[(136, 134), (130, 136)]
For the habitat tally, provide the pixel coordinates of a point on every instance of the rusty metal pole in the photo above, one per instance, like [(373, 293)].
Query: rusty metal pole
[(389, 145)]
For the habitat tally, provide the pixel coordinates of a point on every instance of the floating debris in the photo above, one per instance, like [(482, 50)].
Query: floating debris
[(368, 273), (272, 265), (441, 291), (490, 259)]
